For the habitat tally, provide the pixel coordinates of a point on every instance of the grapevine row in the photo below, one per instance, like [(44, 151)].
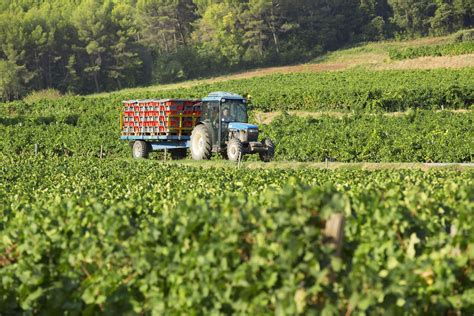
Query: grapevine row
[(89, 236), (419, 136), (451, 49)]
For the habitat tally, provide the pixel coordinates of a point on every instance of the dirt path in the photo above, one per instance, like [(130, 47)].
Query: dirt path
[(323, 165)]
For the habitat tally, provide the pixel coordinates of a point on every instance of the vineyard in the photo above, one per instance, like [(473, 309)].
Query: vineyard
[(87, 126), (389, 91), (418, 136), (422, 136), (84, 229), (451, 49)]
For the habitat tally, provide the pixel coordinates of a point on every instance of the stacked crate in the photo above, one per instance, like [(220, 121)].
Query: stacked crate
[(158, 117)]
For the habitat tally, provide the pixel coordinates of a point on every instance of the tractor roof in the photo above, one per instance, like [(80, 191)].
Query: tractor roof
[(217, 96)]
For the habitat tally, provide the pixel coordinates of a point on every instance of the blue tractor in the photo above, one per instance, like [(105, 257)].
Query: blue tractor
[(222, 128)]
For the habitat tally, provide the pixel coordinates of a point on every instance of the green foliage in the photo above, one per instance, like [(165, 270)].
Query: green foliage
[(219, 35), (77, 126), (92, 236), (421, 136), (464, 36), (10, 84), (423, 17), (46, 94), (451, 49)]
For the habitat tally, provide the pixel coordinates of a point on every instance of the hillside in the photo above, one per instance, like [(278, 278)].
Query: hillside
[(373, 56)]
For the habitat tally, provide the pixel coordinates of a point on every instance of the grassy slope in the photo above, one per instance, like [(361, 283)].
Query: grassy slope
[(370, 55)]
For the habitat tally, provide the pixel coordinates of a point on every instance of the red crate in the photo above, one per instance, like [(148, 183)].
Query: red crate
[(172, 122), (188, 109), (170, 111), (188, 124), (190, 102)]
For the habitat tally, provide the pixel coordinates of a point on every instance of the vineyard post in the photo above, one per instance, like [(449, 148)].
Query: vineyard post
[(36, 149), (334, 231), (334, 234), (166, 154), (101, 151), (453, 231), (327, 163)]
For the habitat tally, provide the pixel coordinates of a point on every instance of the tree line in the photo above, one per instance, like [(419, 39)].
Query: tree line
[(85, 46)]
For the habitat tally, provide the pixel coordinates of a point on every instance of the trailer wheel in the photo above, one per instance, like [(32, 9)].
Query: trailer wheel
[(201, 147), (268, 155), (234, 149), (178, 153), (140, 149)]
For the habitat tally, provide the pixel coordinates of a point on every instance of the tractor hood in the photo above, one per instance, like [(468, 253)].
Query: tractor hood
[(242, 126)]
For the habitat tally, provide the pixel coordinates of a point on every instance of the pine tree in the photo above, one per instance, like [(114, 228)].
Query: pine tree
[(93, 25)]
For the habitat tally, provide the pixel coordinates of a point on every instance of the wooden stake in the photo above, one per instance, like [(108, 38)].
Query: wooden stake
[(334, 231)]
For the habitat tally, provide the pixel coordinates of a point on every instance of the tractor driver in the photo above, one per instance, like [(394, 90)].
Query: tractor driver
[(226, 116)]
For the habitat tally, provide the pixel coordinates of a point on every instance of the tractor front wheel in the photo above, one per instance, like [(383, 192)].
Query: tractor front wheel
[(234, 149), (201, 145), (140, 149), (268, 155)]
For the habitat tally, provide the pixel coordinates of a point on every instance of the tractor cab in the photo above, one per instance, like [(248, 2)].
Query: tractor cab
[(219, 111), (224, 128)]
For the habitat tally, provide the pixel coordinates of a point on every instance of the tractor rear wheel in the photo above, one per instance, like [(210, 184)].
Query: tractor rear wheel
[(268, 155), (201, 145), (234, 149), (178, 153), (140, 149)]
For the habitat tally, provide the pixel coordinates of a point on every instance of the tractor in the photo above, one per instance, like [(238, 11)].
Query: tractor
[(223, 128)]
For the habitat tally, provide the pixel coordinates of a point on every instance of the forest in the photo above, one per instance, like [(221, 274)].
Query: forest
[(87, 46)]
